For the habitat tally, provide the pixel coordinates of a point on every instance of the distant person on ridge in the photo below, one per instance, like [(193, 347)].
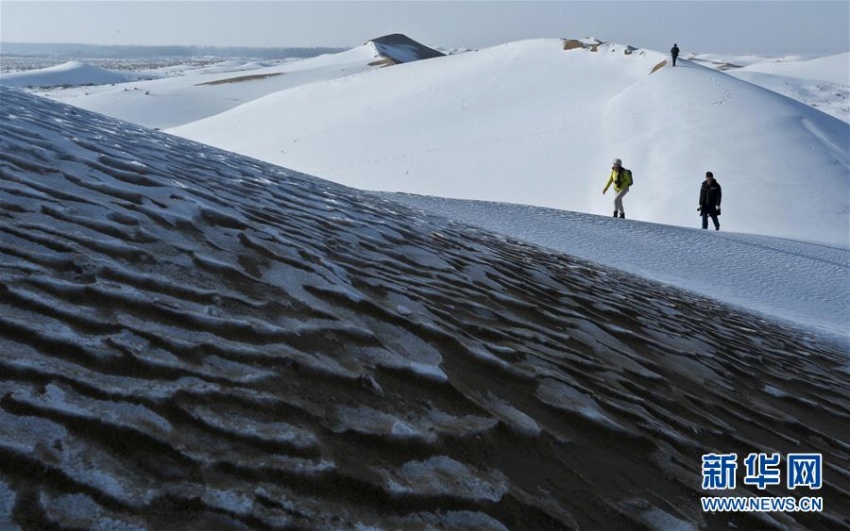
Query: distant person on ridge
[(674, 51), (621, 178), (709, 200)]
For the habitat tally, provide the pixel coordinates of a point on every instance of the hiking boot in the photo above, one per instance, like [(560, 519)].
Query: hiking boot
[(615, 213), (622, 215)]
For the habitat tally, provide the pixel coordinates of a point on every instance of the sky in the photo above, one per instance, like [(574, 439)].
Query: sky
[(764, 27)]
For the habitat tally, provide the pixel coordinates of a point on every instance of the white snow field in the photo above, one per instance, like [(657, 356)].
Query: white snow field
[(202, 92), (195, 339), (532, 123), (821, 82), (70, 74)]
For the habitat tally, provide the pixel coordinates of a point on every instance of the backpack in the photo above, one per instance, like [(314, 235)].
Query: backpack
[(629, 180), (624, 178)]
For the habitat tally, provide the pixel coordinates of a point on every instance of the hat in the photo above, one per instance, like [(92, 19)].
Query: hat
[(617, 162)]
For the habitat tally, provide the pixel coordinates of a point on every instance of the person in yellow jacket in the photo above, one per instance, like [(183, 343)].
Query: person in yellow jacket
[(621, 178)]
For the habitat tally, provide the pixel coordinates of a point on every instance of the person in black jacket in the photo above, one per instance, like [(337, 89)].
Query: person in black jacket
[(709, 200), (674, 51)]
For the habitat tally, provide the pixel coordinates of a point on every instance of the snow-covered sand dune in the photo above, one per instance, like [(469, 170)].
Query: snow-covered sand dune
[(822, 82), (532, 123), (834, 69), (203, 92), (177, 100), (72, 73), (195, 339)]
